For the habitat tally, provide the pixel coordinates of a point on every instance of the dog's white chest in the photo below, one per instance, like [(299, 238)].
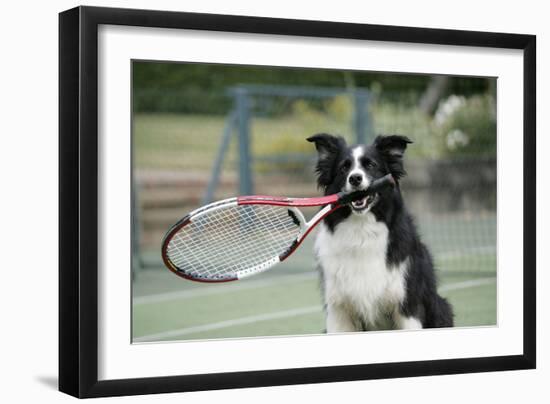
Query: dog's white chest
[(356, 276)]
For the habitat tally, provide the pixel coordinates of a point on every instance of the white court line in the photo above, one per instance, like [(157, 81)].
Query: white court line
[(231, 323), (226, 288), (467, 284), (280, 314)]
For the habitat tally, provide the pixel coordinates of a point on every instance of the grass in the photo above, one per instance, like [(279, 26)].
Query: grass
[(190, 142), (169, 141), (184, 141)]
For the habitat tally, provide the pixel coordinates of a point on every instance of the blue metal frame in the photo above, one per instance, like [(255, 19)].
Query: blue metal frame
[(361, 119), (243, 110), (224, 145), (239, 117)]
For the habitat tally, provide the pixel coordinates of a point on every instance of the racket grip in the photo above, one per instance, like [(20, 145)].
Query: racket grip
[(380, 184)]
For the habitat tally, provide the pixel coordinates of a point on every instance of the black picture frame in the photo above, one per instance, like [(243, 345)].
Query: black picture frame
[(78, 201)]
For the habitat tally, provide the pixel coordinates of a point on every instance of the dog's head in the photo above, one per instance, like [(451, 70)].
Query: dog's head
[(344, 168)]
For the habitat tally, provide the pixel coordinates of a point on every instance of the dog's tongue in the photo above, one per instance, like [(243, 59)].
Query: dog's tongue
[(360, 203)]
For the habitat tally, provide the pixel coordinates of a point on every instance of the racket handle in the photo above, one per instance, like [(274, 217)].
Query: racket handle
[(380, 184)]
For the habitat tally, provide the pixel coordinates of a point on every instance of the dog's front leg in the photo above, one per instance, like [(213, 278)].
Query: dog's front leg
[(339, 319), (403, 322)]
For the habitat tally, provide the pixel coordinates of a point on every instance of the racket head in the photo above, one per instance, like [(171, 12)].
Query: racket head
[(226, 241)]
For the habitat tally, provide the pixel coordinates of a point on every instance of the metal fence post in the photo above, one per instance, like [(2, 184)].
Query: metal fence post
[(222, 151), (360, 118), (243, 111)]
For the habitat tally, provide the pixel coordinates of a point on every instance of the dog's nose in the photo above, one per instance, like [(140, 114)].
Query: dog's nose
[(355, 179)]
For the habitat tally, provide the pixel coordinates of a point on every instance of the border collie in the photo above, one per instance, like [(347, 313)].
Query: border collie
[(376, 274)]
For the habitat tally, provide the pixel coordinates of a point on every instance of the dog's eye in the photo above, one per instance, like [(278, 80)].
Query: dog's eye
[(345, 166), (368, 163)]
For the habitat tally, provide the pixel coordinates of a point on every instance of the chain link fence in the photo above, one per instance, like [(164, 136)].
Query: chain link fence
[(255, 143)]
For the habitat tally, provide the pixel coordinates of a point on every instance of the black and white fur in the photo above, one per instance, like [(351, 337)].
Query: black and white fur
[(376, 273)]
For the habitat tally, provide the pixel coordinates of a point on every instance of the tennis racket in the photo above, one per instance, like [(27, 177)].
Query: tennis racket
[(238, 237)]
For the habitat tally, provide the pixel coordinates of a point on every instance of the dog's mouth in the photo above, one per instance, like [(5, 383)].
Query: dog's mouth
[(364, 204)]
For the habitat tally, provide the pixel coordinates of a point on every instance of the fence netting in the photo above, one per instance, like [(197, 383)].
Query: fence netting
[(450, 187)]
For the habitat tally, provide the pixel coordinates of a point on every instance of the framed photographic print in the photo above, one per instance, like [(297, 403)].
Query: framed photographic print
[(251, 201)]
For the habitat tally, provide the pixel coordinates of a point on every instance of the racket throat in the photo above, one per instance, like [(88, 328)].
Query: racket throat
[(308, 227), (290, 249)]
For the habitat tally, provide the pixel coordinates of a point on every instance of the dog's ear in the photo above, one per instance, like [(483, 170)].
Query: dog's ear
[(328, 148), (392, 149)]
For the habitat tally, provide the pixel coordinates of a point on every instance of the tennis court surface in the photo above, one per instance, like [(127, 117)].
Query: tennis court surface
[(286, 300)]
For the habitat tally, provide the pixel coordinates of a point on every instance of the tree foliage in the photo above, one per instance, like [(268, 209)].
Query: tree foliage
[(202, 88)]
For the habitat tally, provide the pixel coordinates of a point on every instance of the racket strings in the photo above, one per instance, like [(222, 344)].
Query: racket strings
[(222, 242)]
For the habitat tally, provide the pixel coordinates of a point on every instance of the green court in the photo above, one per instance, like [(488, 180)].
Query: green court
[(286, 300)]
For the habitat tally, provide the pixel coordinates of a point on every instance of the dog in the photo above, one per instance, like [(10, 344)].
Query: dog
[(376, 274)]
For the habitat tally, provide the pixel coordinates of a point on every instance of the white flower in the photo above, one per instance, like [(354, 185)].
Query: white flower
[(456, 138), (448, 107)]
